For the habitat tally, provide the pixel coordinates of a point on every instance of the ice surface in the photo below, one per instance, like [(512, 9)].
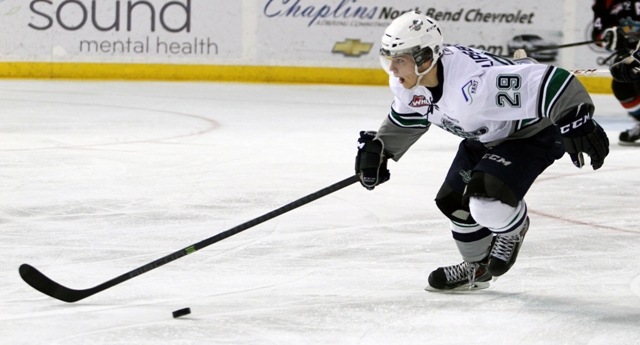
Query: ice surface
[(99, 178)]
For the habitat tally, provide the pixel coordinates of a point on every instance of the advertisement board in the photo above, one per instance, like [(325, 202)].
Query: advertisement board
[(347, 32), (341, 34), (180, 31)]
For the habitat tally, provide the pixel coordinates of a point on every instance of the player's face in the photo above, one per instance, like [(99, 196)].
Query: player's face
[(403, 67)]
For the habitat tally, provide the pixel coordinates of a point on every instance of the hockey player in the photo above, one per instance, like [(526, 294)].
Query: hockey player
[(515, 121), (616, 23)]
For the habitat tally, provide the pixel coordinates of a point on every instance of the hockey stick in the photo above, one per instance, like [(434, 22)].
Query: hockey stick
[(562, 46), (590, 72), (44, 284)]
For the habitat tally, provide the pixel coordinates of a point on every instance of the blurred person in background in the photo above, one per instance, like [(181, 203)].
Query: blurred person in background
[(616, 23)]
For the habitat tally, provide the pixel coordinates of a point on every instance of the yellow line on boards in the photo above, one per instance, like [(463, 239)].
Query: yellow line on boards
[(229, 73), (168, 72)]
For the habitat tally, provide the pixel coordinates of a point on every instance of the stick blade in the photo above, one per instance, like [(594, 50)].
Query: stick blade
[(44, 284)]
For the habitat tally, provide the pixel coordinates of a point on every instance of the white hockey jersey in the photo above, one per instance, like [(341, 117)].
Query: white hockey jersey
[(484, 97)]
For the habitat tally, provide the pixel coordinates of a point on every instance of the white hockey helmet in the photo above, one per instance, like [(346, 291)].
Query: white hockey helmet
[(415, 34)]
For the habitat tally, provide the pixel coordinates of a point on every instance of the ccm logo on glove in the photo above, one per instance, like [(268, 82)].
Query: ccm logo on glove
[(575, 124)]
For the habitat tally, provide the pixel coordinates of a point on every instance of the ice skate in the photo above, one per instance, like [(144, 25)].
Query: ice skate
[(504, 251), (630, 136), (464, 276)]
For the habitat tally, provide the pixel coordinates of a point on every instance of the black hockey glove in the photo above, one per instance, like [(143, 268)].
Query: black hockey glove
[(613, 39), (627, 70), (371, 164), (581, 135)]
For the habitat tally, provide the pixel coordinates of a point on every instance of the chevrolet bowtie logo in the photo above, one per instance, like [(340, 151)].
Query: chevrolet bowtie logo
[(351, 47)]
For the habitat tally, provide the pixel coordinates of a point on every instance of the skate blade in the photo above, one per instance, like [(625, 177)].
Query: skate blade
[(461, 288), (629, 143)]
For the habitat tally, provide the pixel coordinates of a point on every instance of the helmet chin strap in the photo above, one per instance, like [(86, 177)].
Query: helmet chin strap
[(422, 74)]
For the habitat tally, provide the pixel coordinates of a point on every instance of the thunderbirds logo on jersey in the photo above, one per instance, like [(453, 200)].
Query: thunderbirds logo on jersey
[(469, 89), (450, 126)]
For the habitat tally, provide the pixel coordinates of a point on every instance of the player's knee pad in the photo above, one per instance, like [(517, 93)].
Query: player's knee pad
[(491, 202), (491, 213), (450, 204), (499, 217)]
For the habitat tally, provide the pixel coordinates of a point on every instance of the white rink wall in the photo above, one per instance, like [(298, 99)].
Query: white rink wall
[(314, 34)]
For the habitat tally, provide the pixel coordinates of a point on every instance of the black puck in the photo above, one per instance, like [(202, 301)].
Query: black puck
[(181, 312)]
